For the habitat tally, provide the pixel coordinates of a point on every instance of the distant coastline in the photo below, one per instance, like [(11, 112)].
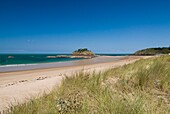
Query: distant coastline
[(153, 51)]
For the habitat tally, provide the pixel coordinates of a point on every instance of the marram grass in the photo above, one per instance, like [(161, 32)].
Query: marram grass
[(142, 87)]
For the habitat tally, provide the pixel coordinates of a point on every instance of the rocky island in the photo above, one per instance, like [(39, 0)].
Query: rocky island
[(80, 53), (83, 53)]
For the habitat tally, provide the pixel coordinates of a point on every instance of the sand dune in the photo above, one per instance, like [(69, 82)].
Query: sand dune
[(20, 86)]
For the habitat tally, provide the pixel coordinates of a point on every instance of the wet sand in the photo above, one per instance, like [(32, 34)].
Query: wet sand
[(20, 86)]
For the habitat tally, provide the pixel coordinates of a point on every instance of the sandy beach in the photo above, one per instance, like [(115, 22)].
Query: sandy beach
[(20, 86)]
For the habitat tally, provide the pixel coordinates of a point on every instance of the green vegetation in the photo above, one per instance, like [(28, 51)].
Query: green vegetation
[(142, 87), (153, 51), (83, 52)]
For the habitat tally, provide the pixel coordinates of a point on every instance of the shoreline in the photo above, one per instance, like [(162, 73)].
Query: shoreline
[(20, 86), (25, 67), (13, 76)]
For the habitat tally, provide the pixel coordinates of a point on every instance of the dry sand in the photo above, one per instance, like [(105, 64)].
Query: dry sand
[(20, 86)]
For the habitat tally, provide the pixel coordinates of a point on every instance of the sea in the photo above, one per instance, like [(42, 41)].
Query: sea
[(22, 59)]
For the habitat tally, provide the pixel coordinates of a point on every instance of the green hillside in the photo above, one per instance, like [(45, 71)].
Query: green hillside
[(153, 51)]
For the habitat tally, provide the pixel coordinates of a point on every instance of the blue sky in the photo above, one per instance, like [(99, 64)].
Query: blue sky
[(104, 26)]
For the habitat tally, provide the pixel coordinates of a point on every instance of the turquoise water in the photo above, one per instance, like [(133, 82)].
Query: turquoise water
[(12, 59)]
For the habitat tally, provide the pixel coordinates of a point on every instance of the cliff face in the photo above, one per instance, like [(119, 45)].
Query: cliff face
[(83, 52), (153, 51)]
